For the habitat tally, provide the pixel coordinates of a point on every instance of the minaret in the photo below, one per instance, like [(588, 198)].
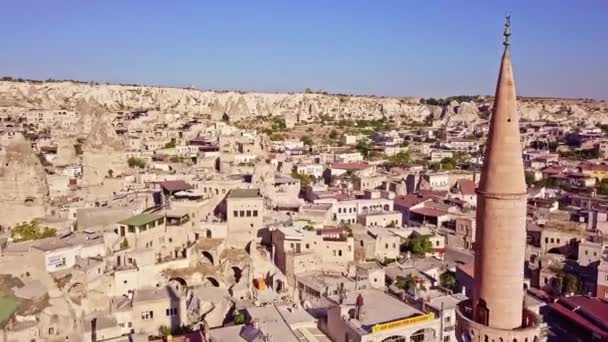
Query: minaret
[(496, 310)]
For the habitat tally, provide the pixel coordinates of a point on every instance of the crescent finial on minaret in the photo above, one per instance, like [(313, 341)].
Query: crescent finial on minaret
[(507, 33)]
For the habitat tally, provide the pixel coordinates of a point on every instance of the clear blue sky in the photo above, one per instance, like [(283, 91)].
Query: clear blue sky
[(385, 47)]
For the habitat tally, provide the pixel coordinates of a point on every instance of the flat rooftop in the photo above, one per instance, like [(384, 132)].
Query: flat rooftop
[(244, 193), (319, 281), (379, 307), (141, 219)]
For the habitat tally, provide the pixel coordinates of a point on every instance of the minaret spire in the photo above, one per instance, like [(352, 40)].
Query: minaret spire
[(507, 33), (500, 245), (501, 210)]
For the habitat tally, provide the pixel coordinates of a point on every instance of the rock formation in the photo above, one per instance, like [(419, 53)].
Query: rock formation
[(102, 151), (25, 190), (235, 105)]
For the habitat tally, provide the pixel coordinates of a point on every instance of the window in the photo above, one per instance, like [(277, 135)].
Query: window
[(147, 315), (129, 325), (124, 281), (248, 213), (437, 243), (171, 311), (340, 252), (235, 213), (448, 320), (307, 246), (131, 229), (255, 213), (242, 213)]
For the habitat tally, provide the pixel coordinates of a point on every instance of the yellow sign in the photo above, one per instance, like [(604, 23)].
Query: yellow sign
[(403, 322)]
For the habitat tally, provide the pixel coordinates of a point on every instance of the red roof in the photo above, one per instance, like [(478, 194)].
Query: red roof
[(350, 166), (431, 212), (410, 200), (593, 167), (588, 312), (552, 170), (175, 185), (433, 193), (466, 186), (468, 269)]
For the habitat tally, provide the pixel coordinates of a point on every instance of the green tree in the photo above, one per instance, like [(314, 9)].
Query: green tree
[(164, 330), (136, 162), (309, 228), (570, 283), (170, 144), (31, 231), (239, 318), (305, 180), (529, 178), (448, 163), (602, 187), (307, 140), (78, 149), (363, 148), (402, 157), (418, 246), (406, 282), (333, 134), (307, 91), (448, 280)]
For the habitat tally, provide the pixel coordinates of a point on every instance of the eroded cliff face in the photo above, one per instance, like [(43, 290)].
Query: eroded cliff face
[(25, 192), (102, 151), (300, 107)]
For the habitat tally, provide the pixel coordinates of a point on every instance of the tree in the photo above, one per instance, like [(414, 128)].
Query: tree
[(305, 180), (170, 144), (529, 178), (406, 282), (602, 187), (78, 149), (136, 162), (363, 148), (164, 330), (402, 157), (333, 134), (110, 173), (307, 140), (239, 318), (124, 244), (309, 228), (570, 283), (448, 280), (307, 91), (418, 246), (31, 231)]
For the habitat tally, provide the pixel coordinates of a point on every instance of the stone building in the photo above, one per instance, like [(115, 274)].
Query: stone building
[(244, 215)]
